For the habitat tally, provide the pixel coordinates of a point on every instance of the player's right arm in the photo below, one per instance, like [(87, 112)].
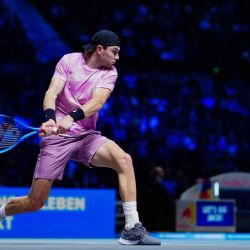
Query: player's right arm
[(55, 88)]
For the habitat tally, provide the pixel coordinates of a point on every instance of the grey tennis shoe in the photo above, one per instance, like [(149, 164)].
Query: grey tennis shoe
[(137, 235)]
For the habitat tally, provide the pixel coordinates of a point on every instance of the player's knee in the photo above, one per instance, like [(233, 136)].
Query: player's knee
[(35, 205), (125, 162), (128, 159)]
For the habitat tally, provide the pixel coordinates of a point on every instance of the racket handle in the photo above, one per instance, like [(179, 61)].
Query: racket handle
[(43, 131)]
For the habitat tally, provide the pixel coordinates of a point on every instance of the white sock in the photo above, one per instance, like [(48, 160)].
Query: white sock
[(2, 211), (131, 214)]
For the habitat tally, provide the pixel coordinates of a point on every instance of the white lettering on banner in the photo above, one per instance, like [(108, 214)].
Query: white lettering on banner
[(65, 203), (223, 209), (214, 209), (60, 203), (214, 213), (215, 218), (6, 224), (209, 209), (4, 199)]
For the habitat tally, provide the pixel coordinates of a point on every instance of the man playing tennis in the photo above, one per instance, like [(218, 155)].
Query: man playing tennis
[(81, 84)]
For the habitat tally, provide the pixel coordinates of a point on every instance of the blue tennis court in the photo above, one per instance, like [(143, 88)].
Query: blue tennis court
[(112, 244)]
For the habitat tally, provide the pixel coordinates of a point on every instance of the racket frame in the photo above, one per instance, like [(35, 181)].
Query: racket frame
[(35, 131)]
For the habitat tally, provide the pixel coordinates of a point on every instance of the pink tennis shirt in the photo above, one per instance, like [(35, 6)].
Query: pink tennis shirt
[(80, 82)]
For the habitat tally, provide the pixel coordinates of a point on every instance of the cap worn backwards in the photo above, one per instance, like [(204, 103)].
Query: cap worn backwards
[(105, 38)]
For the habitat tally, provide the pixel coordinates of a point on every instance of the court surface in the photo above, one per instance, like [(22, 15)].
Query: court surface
[(112, 244)]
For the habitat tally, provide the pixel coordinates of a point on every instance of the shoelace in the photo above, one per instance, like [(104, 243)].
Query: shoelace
[(139, 231)]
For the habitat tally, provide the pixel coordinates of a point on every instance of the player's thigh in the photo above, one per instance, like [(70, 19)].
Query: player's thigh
[(40, 189), (108, 155)]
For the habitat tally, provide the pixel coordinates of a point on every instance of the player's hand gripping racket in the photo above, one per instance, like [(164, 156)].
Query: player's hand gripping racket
[(13, 131)]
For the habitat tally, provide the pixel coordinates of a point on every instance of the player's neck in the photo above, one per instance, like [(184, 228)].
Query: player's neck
[(92, 62)]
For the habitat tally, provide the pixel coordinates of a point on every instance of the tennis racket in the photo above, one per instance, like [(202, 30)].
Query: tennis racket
[(14, 131)]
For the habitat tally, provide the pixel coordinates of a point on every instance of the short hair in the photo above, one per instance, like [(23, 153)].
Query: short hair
[(88, 53)]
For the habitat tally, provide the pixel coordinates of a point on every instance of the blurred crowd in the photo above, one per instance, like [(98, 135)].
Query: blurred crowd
[(181, 103)]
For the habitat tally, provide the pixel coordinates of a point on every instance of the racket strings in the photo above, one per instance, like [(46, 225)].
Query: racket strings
[(9, 134)]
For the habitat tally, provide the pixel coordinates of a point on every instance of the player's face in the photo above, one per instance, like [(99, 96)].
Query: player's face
[(109, 56)]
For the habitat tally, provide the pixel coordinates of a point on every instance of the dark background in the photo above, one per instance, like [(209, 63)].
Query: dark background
[(181, 100)]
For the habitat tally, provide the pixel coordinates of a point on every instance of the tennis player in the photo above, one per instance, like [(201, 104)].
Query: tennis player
[(80, 86)]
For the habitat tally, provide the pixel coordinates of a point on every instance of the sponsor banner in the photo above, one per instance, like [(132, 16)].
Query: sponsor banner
[(68, 213), (214, 213), (185, 215), (234, 180), (205, 216)]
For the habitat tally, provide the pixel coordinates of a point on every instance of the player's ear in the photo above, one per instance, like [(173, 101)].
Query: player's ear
[(99, 49)]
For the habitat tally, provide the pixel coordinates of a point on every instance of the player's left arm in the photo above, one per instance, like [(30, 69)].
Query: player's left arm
[(99, 97)]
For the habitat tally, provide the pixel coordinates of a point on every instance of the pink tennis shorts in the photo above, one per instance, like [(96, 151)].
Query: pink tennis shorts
[(56, 151)]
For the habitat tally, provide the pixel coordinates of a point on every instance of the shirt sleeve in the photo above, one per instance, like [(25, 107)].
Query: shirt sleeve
[(108, 80), (62, 68)]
